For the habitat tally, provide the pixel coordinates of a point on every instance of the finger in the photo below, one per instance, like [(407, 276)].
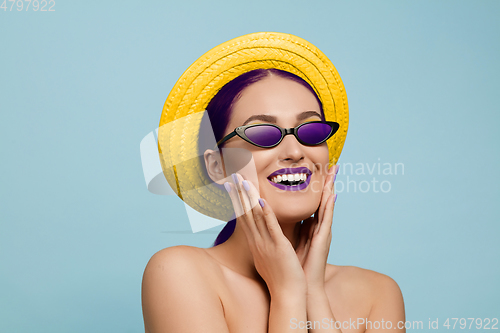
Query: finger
[(256, 209), (252, 193), (328, 217), (243, 192), (233, 195), (243, 198), (327, 187), (240, 217), (254, 216), (335, 177), (322, 210), (327, 191), (248, 227), (272, 224), (312, 228), (332, 175), (314, 225)]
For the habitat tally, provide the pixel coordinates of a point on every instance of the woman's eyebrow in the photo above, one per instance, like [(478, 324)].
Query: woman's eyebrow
[(263, 117), (273, 119), (308, 114)]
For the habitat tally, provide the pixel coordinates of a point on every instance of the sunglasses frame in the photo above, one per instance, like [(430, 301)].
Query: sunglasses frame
[(240, 131)]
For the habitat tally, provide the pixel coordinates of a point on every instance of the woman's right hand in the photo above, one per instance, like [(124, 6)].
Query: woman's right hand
[(273, 254)]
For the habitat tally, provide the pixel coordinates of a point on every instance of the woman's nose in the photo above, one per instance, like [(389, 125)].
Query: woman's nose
[(290, 149)]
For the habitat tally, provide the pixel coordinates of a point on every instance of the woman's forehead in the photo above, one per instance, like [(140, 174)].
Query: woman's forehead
[(276, 97)]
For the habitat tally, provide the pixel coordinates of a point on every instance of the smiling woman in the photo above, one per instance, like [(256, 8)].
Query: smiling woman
[(260, 127), (268, 270)]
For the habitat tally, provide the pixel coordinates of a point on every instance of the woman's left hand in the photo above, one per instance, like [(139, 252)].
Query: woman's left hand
[(315, 235)]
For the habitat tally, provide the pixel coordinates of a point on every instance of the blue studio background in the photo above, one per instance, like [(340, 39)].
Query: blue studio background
[(81, 86)]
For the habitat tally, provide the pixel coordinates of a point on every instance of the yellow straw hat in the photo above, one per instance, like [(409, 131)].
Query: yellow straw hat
[(185, 105)]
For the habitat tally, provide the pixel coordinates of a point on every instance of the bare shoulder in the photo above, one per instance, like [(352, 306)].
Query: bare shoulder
[(174, 266), (179, 257), (183, 259), (368, 280), (363, 286), (176, 284)]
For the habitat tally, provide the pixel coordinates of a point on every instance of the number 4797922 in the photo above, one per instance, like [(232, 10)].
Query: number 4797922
[(35, 5)]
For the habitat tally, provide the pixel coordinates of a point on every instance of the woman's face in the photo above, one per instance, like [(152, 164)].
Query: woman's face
[(287, 104)]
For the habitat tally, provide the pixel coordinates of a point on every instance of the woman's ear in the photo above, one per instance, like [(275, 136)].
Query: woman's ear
[(215, 166)]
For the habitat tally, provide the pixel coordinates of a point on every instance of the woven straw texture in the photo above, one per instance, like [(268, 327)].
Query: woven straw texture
[(178, 143)]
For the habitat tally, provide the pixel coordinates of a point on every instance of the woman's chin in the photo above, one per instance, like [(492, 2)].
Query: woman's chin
[(292, 214), (292, 207)]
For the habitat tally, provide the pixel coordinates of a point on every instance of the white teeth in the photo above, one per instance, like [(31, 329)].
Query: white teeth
[(289, 177)]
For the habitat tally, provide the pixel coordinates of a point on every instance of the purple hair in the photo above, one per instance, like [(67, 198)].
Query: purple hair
[(220, 107)]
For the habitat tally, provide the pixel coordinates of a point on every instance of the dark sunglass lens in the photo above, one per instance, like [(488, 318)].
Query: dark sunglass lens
[(263, 135), (314, 133)]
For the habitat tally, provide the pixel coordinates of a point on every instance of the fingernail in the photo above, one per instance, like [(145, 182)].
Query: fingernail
[(337, 169), (235, 178), (245, 185), (335, 198), (261, 202), (227, 186), (334, 178)]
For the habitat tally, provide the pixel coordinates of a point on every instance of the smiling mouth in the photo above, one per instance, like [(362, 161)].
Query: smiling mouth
[(290, 179)]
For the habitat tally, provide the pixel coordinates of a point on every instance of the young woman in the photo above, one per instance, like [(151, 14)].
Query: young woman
[(268, 271)]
